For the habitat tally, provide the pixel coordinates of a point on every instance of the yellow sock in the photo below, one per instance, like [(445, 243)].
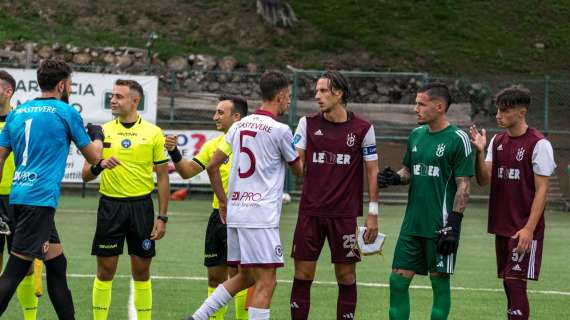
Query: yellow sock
[(143, 299), (220, 314), (27, 298), (239, 300), (101, 298)]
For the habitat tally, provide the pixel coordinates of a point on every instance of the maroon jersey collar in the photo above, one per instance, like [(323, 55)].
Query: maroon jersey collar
[(349, 116), (265, 113)]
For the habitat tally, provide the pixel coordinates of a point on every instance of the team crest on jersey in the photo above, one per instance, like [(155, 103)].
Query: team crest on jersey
[(440, 150), (126, 143), (350, 139), (520, 154)]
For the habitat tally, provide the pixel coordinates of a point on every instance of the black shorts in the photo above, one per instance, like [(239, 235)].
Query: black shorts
[(7, 215), (216, 242), (34, 230), (120, 218)]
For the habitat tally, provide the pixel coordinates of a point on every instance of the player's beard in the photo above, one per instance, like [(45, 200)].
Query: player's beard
[(65, 96)]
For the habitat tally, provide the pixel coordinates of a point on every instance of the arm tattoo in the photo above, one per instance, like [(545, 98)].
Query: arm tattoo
[(462, 194), (404, 174)]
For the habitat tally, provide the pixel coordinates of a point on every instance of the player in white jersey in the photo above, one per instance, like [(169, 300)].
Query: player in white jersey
[(261, 147)]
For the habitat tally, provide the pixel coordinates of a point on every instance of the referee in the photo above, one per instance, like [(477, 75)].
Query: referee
[(125, 207), (230, 109)]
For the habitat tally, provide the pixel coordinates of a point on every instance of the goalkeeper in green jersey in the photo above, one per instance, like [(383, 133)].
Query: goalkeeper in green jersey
[(438, 165)]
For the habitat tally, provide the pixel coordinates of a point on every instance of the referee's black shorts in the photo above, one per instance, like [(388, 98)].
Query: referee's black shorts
[(120, 218), (216, 242)]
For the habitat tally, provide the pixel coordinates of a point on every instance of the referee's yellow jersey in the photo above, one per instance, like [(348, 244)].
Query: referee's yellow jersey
[(9, 167), (203, 157), (138, 148)]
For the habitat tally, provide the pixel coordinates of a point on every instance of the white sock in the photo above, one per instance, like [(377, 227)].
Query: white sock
[(219, 298), (258, 314)]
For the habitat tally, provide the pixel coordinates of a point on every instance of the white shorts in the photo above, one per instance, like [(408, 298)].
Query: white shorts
[(255, 247)]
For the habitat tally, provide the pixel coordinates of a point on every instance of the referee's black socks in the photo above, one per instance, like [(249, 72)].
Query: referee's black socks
[(58, 290), (16, 270)]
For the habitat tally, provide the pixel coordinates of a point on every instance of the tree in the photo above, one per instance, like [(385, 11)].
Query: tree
[(276, 12)]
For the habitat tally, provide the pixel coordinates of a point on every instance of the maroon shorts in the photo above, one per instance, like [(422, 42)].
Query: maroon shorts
[(310, 235), (513, 265)]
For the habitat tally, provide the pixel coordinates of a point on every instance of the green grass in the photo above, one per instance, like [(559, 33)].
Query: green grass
[(441, 37), (180, 255)]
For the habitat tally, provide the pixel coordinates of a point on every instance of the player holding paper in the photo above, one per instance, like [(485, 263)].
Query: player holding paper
[(438, 165), (336, 146)]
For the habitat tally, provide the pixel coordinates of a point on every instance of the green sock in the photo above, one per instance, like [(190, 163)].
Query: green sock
[(143, 299), (399, 297), (221, 313), (239, 300), (101, 300), (441, 297), (27, 298)]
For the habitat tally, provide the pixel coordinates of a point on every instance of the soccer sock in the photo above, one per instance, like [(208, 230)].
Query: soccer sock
[(58, 290), (519, 309), (508, 296), (239, 301), (101, 300), (220, 314), (258, 314), (399, 297), (27, 298), (14, 272), (300, 299), (143, 299), (346, 303), (219, 298), (441, 297)]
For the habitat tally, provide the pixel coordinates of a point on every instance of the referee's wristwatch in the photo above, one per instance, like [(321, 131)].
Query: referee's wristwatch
[(163, 218)]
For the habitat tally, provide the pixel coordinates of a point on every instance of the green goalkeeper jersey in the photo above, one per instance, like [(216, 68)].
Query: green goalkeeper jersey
[(434, 159)]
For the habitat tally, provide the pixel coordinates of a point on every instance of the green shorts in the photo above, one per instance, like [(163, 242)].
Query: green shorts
[(420, 255)]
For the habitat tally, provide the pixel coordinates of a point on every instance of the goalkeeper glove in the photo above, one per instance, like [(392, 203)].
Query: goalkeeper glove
[(95, 132), (388, 177), (447, 239)]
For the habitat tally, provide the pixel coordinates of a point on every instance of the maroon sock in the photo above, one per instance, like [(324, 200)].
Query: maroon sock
[(300, 299), (508, 296), (519, 309), (346, 304)]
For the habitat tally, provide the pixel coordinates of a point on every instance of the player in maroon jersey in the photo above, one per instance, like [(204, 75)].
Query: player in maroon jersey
[(518, 164), (335, 145)]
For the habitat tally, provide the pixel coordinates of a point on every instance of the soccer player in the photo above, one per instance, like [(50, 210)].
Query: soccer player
[(518, 164), (125, 207), (230, 109), (336, 146), (36, 185), (261, 146), (438, 165)]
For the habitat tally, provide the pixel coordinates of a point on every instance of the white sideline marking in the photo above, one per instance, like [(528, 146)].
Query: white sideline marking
[(332, 283), (132, 310)]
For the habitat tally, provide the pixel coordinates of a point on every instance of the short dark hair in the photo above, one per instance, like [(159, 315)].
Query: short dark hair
[(437, 90), (338, 82), (271, 83), (513, 96), (51, 72), (8, 79), (239, 104), (132, 84)]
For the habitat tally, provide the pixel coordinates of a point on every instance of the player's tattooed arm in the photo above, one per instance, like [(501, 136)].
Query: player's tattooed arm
[(462, 194), (404, 174)]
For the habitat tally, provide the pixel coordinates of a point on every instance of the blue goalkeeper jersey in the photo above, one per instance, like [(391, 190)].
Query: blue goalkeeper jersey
[(39, 132)]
